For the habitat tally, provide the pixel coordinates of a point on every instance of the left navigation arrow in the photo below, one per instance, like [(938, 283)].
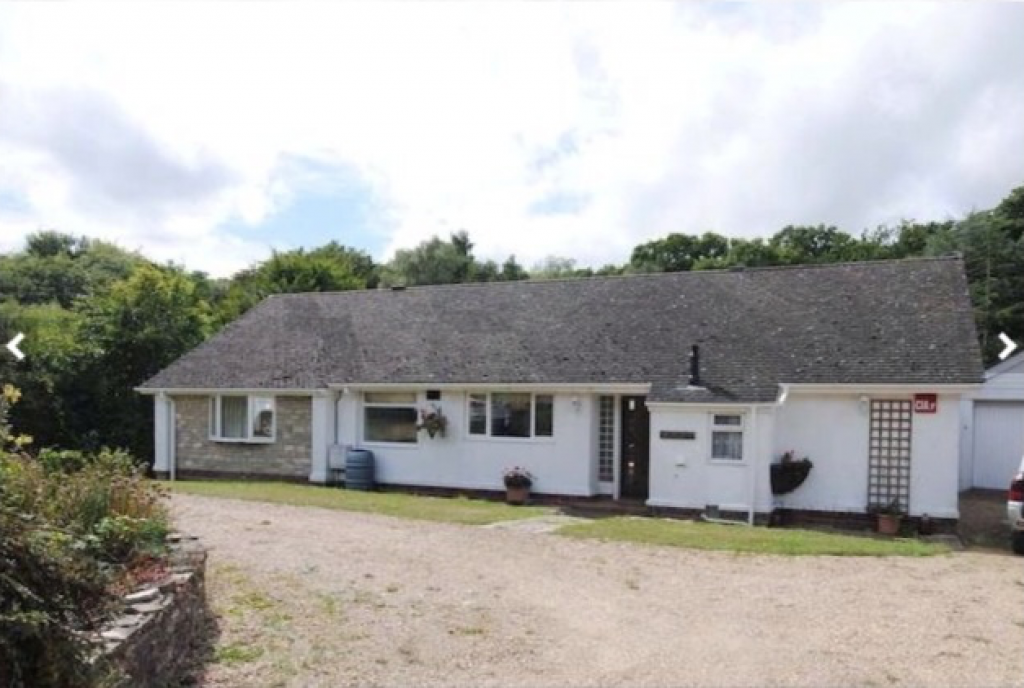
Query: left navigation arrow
[(12, 346)]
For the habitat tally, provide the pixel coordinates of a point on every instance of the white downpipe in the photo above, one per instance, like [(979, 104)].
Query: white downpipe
[(172, 449), (753, 465)]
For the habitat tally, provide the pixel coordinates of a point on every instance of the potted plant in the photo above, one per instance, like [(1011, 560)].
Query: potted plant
[(889, 517), (518, 482), (789, 473), (433, 421)]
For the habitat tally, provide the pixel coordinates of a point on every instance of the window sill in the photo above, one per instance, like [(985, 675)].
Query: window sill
[(243, 440), (727, 462), (389, 445), (510, 440)]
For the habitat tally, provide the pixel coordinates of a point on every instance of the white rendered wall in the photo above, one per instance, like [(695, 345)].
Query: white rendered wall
[(832, 430), (934, 463), (562, 464), (684, 475)]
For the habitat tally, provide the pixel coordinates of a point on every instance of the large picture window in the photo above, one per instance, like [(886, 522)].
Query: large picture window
[(390, 417), (727, 437), (242, 418), (511, 414)]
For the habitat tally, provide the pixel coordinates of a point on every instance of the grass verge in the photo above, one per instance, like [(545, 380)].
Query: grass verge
[(711, 536), (447, 510)]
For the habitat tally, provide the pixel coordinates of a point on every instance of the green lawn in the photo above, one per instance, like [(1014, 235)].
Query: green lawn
[(710, 536), (455, 510)]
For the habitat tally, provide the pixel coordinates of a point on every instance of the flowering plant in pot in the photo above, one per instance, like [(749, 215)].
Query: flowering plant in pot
[(518, 482), (433, 421), (889, 517)]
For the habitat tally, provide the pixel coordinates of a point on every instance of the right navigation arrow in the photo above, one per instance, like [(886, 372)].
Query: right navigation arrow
[(1011, 346)]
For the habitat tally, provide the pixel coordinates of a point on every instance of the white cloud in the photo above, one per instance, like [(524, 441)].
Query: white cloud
[(157, 124)]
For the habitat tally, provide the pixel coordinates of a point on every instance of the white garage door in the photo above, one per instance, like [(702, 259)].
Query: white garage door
[(998, 442)]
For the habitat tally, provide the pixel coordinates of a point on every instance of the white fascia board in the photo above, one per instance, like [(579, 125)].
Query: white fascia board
[(209, 391), (798, 388), (584, 388), (710, 405)]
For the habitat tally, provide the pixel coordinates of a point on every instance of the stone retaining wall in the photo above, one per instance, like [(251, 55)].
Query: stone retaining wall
[(152, 643)]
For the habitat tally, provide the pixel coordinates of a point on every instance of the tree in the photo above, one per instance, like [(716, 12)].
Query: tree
[(432, 262), (678, 252), (47, 244), (133, 330), (1011, 210), (994, 263), (62, 268), (511, 271), (331, 267)]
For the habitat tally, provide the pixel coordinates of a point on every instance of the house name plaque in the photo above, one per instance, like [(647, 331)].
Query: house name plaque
[(677, 435)]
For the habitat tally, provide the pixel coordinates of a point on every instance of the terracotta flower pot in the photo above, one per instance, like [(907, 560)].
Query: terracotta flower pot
[(889, 524), (517, 495)]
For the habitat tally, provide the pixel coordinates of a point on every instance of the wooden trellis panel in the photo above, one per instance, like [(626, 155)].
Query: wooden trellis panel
[(889, 453)]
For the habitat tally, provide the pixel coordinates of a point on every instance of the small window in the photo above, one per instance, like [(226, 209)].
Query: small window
[(545, 416), (477, 414), (727, 437), (511, 414), (390, 417), (242, 418), (262, 417)]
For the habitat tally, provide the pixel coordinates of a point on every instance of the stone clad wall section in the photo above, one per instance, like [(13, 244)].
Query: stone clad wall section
[(288, 456)]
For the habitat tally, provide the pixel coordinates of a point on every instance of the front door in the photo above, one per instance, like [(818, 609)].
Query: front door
[(636, 445)]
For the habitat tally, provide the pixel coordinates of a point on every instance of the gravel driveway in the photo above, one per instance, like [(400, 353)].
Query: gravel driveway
[(310, 597)]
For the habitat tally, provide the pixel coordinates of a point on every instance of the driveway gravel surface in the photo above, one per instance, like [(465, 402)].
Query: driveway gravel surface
[(311, 597)]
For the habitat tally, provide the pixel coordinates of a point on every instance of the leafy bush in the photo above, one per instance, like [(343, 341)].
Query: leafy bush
[(103, 498), (72, 527), (51, 592)]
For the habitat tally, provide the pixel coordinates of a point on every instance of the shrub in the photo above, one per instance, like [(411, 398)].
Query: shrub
[(72, 524), (51, 593)]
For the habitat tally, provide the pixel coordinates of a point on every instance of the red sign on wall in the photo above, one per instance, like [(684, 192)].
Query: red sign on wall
[(926, 403)]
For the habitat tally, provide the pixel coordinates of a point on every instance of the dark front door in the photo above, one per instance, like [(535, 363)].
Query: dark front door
[(636, 448)]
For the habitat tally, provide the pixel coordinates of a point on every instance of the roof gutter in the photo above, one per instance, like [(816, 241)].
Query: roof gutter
[(879, 388), (603, 388)]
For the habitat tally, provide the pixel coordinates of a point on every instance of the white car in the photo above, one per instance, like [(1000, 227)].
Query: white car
[(1015, 510)]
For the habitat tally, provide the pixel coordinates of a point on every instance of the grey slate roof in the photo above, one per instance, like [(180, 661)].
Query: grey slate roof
[(876, 322)]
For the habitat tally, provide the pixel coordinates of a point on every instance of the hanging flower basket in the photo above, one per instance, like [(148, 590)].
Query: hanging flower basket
[(790, 473), (433, 421)]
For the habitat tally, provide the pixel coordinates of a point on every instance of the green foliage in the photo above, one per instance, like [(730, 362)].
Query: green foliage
[(446, 262), (678, 252), (993, 253), (132, 330), (61, 268), (102, 499), (331, 267), (50, 591), (69, 522)]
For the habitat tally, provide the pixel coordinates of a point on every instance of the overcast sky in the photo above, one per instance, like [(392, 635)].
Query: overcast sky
[(210, 133)]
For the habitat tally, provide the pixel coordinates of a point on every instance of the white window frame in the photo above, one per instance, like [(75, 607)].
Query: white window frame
[(250, 438), (414, 405), (487, 418), (737, 429)]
